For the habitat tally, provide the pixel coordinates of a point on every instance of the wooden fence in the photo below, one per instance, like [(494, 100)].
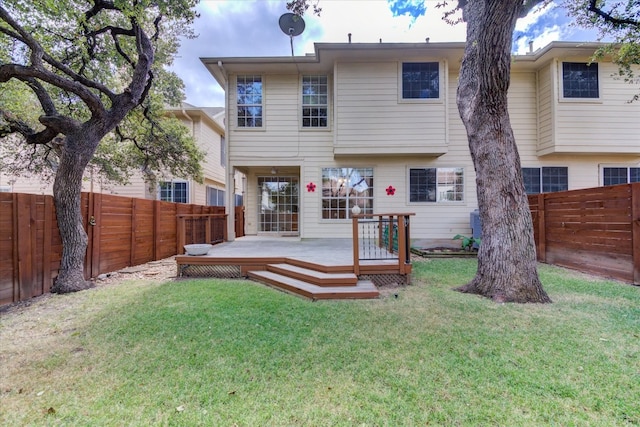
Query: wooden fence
[(595, 230), (122, 232)]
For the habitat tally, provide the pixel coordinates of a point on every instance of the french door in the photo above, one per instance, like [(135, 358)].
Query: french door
[(278, 204)]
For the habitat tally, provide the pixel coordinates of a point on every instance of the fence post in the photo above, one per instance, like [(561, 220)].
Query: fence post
[(157, 244), (356, 245), (635, 231), (47, 232), (96, 231), (132, 240), (402, 248), (541, 246), (180, 237), (225, 229)]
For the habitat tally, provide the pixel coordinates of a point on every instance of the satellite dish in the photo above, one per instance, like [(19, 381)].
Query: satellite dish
[(292, 25)]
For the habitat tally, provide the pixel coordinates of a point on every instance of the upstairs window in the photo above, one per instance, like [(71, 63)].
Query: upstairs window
[(314, 101), (249, 100), (436, 185), (579, 80), (174, 191), (420, 80), (545, 180), (620, 175)]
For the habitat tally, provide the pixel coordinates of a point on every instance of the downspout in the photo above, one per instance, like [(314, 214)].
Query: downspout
[(229, 182), (192, 191)]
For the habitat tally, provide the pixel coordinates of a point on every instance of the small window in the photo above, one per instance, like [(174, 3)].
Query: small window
[(344, 188), (420, 80), (314, 101), (620, 175), (249, 100), (580, 80), (545, 180), (436, 185), (215, 197), (174, 191)]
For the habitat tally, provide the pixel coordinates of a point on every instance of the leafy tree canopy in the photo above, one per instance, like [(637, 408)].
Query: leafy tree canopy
[(616, 20), (65, 60)]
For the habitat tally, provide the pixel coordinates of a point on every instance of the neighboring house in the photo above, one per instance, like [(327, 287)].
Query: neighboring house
[(376, 125), (207, 127)]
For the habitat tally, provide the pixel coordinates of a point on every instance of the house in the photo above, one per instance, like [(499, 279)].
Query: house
[(207, 127), (375, 125)]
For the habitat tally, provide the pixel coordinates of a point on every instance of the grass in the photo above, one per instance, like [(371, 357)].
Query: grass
[(225, 353)]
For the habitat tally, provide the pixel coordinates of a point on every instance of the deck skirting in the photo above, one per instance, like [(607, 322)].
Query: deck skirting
[(309, 279)]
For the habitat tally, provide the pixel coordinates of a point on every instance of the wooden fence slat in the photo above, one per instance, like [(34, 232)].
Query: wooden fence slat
[(24, 241), (132, 237), (46, 244), (635, 231), (596, 230), (16, 257)]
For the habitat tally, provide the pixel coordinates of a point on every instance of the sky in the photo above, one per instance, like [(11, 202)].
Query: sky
[(250, 28)]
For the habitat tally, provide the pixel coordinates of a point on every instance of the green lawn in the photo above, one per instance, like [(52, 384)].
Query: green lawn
[(229, 352)]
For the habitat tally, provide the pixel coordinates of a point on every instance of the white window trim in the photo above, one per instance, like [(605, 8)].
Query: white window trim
[(347, 220), (235, 106), (442, 79), (542, 176), (561, 97), (437, 202), (602, 166), (174, 181), (329, 103)]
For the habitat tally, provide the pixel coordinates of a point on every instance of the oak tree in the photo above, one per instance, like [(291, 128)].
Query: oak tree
[(507, 263), (83, 83)]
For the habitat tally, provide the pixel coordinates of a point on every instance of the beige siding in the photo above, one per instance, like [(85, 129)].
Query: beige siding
[(371, 127), (135, 188), (546, 105), (608, 125), (279, 137), (35, 185), (371, 119)]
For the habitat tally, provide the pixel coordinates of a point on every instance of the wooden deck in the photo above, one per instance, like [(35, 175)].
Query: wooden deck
[(315, 268)]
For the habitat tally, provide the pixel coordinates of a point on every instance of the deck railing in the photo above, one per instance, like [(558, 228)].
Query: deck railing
[(382, 237), (205, 228)]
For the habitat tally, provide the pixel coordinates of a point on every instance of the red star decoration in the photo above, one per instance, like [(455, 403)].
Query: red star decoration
[(311, 187), (391, 191)]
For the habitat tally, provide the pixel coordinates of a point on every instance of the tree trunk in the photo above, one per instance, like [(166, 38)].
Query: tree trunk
[(67, 189), (507, 265)]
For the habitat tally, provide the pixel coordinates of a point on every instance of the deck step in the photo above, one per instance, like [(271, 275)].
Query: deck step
[(363, 289), (313, 276)]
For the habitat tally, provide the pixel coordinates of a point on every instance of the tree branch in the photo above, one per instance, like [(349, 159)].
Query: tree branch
[(527, 5), (607, 17), (28, 73), (10, 124)]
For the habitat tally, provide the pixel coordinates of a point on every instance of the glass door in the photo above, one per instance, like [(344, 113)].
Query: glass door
[(278, 204)]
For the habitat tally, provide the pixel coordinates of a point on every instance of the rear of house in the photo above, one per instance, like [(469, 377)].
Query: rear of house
[(376, 126)]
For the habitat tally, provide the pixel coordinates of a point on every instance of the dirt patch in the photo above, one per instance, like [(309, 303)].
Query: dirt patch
[(442, 252), (161, 270)]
